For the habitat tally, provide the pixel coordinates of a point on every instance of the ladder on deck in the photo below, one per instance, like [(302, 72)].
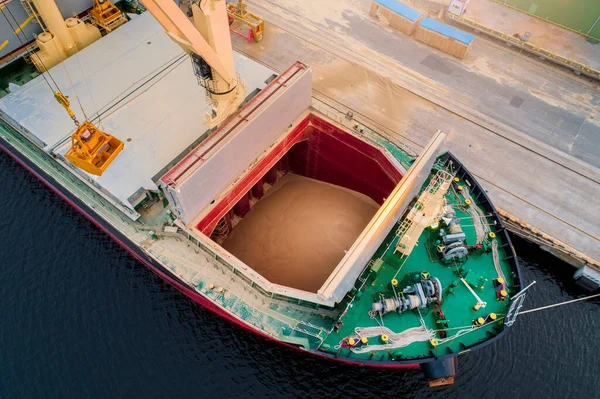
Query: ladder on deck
[(441, 178), (404, 226), (32, 12), (36, 19), (440, 181)]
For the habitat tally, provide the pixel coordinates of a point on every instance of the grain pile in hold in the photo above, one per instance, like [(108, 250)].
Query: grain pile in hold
[(300, 230)]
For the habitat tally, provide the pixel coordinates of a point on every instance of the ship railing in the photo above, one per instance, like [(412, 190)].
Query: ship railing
[(346, 117), (32, 13), (307, 328), (219, 261), (235, 300), (292, 322), (515, 306), (513, 310)]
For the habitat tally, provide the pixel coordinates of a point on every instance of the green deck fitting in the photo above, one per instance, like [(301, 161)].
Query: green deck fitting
[(402, 156)]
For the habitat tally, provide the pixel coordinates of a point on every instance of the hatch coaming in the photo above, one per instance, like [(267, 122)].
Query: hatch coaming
[(249, 144), (199, 178), (316, 155), (312, 128)]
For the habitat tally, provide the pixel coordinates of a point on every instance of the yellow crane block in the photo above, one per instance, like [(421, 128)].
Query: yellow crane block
[(93, 150)]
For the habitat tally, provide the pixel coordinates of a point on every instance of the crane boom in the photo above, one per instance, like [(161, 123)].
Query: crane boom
[(207, 40)]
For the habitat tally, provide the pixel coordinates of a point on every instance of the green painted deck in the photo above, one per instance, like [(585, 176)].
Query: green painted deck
[(457, 306)]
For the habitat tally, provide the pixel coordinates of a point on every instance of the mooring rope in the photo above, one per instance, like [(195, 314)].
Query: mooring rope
[(559, 304), (396, 340), (496, 258)]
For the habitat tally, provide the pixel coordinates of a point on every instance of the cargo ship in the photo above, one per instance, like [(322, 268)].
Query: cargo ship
[(289, 218)]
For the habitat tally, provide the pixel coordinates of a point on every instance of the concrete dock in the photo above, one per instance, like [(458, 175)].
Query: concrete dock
[(542, 34), (529, 132)]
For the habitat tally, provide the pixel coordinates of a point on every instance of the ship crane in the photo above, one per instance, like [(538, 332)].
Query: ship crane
[(208, 42)]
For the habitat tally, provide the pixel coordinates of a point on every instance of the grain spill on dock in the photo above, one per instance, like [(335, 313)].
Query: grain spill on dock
[(351, 84), (482, 66)]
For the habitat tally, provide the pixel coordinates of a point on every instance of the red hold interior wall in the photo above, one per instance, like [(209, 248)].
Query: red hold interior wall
[(316, 149)]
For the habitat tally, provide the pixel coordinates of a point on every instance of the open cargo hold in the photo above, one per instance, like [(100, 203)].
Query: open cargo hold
[(298, 232), (298, 211), (277, 132), (320, 194), (444, 37), (316, 149), (400, 16)]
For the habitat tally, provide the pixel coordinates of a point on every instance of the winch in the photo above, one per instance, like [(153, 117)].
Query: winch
[(418, 295)]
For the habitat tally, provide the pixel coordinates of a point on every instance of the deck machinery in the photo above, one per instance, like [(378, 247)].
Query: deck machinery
[(427, 278)]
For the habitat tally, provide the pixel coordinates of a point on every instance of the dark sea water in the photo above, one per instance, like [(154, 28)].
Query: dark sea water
[(81, 318)]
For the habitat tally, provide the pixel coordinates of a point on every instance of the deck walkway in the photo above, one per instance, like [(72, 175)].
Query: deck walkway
[(527, 156)]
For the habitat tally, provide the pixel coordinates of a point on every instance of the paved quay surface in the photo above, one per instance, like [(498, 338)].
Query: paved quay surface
[(531, 173), (541, 102), (544, 34)]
